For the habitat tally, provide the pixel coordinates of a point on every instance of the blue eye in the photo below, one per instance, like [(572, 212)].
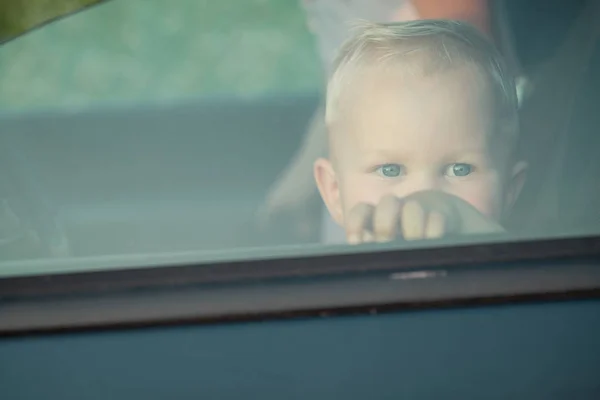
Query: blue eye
[(391, 170), (459, 170)]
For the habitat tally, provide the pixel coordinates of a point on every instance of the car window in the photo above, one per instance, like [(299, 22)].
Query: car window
[(151, 133), (156, 52)]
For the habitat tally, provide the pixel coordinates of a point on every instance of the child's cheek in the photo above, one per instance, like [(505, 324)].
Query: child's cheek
[(363, 188), (484, 198)]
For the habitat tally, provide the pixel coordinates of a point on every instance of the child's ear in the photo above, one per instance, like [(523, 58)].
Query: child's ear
[(515, 184), (329, 188)]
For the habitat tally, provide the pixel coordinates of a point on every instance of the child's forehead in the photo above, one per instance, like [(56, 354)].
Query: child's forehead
[(392, 93), (416, 113), (404, 77)]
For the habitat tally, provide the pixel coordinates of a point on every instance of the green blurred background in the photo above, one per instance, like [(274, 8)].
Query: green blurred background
[(152, 50)]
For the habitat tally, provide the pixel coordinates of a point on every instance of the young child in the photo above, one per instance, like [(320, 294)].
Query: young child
[(422, 123)]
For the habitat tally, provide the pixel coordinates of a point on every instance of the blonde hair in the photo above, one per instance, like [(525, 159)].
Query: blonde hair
[(430, 46)]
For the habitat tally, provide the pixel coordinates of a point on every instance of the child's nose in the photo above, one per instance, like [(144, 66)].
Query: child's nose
[(417, 183)]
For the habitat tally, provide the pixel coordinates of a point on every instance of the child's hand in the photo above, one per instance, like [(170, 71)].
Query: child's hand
[(422, 215)]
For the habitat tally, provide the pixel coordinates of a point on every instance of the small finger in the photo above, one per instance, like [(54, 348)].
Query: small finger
[(385, 219), (412, 220), (357, 221), (436, 225), (368, 237)]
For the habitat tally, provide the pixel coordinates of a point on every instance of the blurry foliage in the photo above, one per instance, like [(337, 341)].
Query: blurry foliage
[(18, 16), (155, 50)]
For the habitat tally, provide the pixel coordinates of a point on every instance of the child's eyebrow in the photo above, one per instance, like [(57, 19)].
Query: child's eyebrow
[(463, 150), (387, 154), (382, 155), (468, 152)]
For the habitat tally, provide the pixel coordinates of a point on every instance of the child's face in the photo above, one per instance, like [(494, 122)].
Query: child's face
[(399, 134)]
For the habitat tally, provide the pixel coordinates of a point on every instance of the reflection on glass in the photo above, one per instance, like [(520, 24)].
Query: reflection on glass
[(197, 131)]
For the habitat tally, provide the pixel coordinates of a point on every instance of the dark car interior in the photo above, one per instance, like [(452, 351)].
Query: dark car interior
[(151, 178)]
